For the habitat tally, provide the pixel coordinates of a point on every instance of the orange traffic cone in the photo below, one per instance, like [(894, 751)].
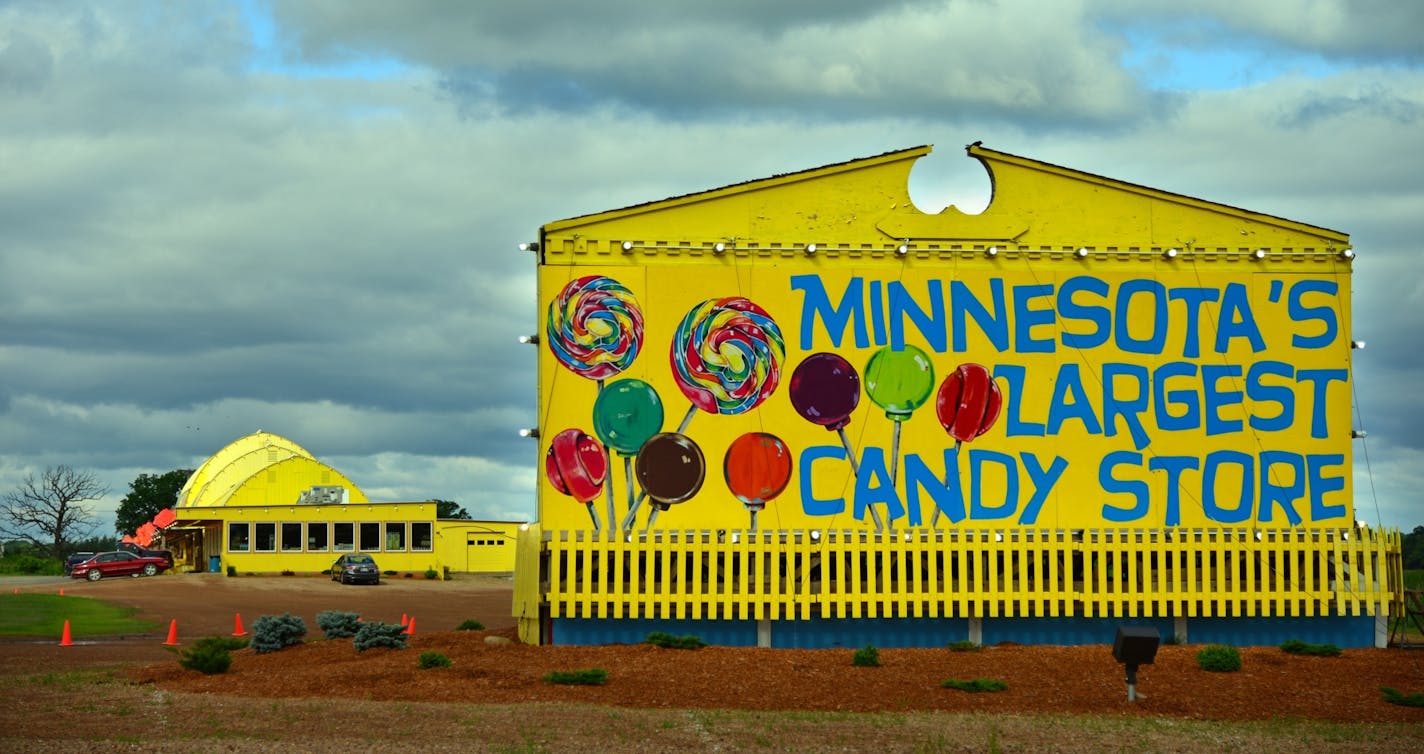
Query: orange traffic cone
[(237, 626), (64, 639), (172, 633), (410, 627), (61, 591), (404, 619)]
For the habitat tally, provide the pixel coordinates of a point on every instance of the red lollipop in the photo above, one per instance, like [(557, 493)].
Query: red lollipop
[(757, 467), (576, 466), (968, 403)]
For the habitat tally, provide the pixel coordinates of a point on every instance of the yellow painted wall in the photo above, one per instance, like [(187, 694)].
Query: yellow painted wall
[(1163, 360)]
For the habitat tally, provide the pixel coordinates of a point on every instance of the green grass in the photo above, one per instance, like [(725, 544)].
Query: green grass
[(1414, 579), (43, 615)]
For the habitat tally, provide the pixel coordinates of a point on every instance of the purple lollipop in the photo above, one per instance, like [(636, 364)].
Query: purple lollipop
[(825, 389)]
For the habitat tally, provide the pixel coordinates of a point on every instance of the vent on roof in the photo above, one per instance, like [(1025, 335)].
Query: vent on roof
[(323, 494)]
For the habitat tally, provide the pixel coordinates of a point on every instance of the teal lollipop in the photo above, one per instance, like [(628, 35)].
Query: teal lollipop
[(899, 382), (626, 413)]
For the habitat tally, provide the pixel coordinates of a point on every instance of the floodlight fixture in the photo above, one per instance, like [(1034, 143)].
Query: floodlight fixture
[(1082, 252), (1348, 254), (991, 252), (529, 246), (810, 249), (529, 432), (1259, 254), (1134, 646), (902, 249), (627, 246), (1358, 434), (1170, 253), (1357, 344), (530, 339), (719, 247)]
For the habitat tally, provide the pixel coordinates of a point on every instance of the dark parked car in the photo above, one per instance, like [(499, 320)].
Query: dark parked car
[(355, 568), (74, 560), (145, 552), (110, 564)]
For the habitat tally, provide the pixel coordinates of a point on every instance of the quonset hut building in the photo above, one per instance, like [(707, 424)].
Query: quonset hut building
[(264, 504), (798, 412)]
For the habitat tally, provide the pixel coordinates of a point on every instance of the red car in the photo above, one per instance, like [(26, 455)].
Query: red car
[(118, 564)]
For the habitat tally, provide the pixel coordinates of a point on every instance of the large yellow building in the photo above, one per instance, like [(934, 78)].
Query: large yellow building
[(797, 411), (263, 504)]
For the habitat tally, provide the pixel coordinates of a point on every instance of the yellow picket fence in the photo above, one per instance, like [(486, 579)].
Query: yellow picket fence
[(795, 575)]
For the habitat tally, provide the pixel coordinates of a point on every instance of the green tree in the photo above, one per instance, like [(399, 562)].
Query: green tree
[(51, 510), (149, 494), (450, 509), (1412, 547)]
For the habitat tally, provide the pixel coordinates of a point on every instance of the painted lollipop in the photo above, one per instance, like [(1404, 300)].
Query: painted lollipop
[(968, 404), (899, 382), (726, 357), (757, 467), (626, 413), (576, 466), (825, 389), (595, 327), (671, 468)]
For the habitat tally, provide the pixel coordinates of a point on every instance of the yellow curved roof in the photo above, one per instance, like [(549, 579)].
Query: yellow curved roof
[(226, 470), (283, 482)]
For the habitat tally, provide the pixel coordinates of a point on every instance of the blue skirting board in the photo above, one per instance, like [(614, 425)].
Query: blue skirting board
[(828, 633)]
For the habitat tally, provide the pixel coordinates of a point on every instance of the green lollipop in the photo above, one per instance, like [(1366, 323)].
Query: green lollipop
[(899, 381), (626, 413)]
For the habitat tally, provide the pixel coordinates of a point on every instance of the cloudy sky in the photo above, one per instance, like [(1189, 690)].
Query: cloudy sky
[(302, 217)]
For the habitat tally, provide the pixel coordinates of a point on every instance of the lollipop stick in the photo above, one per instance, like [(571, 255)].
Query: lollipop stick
[(850, 453), (653, 516), (607, 478), (934, 520), (686, 420), (855, 473), (894, 453), (628, 475), (629, 520), (593, 515), (754, 512)]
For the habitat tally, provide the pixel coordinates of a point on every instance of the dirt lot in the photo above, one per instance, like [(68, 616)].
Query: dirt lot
[(324, 695)]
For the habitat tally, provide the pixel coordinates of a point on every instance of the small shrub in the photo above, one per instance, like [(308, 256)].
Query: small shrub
[(964, 646), (273, 632), (470, 625), (375, 634), (389, 573), (430, 660), (1175, 640), (338, 624), (1408, 700), (866, 657), (668, 641), (288, 572), (591, 677), (1219, 658), (211, 655), (1298, 647), (431, 574), (975, 686), (231, 571)]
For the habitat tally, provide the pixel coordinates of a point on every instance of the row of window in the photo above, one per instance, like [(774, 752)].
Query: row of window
[(366, 536)]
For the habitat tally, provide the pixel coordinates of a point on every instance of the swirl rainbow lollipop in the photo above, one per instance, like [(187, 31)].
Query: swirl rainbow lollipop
[(726, 356), (595, 327)]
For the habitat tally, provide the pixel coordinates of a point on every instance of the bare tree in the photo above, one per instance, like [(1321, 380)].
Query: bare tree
[(50, 511)]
